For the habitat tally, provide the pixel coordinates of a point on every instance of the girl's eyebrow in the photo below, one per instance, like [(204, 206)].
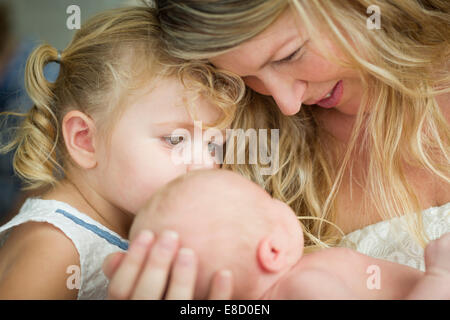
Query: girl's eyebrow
[(174, 124)]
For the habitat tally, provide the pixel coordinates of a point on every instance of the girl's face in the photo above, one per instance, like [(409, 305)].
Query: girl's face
[(284, 62), (142, 154)]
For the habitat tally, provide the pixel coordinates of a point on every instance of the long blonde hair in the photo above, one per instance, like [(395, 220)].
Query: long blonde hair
[(403, 67), (114, 56)]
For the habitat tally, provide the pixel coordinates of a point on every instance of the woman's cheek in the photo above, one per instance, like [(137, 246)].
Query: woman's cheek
[(314, 68)]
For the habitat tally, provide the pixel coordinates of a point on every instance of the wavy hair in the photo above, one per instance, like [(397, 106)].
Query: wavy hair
[(115, 56), (403, 67)]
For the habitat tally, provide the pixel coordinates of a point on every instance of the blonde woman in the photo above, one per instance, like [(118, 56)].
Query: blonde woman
[(364, 129)]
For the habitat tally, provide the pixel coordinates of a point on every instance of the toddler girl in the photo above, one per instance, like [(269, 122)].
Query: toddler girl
[(97, 142)]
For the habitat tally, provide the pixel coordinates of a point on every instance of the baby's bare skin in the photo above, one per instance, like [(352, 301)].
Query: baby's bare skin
[(436, 283), (341, 273), (233, 224)]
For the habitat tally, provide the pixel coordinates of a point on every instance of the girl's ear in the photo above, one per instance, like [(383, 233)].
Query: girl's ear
[(272, 253), (79, 131)]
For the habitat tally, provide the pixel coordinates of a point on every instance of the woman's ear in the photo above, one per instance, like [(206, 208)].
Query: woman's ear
[(272, 253), (79, 131)]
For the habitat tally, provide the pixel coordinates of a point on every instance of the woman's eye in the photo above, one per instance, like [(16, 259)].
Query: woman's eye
[(173, 140), (291, 56)]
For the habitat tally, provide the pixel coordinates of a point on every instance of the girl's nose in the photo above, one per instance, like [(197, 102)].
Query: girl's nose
[(202, 159)]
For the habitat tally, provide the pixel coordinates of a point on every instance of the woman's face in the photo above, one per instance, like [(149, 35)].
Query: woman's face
[(285, 62)]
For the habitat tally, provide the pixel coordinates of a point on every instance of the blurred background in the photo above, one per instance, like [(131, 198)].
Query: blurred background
[(23, 25)]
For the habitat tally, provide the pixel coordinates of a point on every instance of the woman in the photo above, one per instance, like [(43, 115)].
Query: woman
[(365, 127)]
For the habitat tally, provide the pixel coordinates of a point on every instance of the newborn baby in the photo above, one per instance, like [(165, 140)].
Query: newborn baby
[(231, 223)]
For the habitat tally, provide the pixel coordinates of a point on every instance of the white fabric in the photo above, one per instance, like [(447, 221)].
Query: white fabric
[(390, 239), (91, 247)]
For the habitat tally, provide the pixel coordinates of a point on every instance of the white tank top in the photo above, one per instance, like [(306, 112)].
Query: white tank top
[(92, 240), (390, 239)]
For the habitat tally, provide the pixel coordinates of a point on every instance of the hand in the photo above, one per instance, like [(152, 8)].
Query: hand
[(437, 272), (143, 272), (437, 256)]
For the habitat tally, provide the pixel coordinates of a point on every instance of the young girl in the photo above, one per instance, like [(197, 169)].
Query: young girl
[(98, 142)]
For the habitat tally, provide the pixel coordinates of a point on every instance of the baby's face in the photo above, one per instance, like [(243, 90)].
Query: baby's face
[(144, 152)]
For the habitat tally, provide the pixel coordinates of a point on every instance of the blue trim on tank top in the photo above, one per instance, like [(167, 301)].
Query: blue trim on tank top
[(101, 233)]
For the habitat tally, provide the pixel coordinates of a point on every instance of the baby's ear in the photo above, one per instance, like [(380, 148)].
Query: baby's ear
[(79, 131), (272, 252)]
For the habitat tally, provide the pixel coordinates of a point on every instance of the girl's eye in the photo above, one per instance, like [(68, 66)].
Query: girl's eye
[(173, 140), (212, 148)]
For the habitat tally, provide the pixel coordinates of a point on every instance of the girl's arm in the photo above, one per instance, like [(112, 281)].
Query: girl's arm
[(34, 262)]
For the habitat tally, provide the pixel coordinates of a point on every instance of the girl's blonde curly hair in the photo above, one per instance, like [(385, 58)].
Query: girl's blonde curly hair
[(112, 58)]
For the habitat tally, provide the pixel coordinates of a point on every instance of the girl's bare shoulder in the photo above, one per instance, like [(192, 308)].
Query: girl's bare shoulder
[(34, 262)]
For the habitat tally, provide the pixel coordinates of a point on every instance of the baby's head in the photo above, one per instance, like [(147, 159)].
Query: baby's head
[(231, 223), (108, 119)]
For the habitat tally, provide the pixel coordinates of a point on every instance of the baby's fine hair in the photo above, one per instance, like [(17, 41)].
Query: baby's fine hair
[(116, 52)]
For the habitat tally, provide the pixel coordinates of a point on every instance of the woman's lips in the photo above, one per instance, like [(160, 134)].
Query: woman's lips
[(334, 98)]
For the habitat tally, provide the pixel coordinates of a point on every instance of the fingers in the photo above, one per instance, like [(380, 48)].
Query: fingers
[(152, 269), (111, 263), (123, 282), (184, 272), (437, 255), (221, 286), (153, 280)]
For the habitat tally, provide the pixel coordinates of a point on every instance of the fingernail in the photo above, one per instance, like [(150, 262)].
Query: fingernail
[(144, 237), (186, 256), (225, 273), (169, 239)]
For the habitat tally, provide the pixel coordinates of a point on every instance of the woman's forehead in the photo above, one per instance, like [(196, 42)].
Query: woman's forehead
[(253, 54)]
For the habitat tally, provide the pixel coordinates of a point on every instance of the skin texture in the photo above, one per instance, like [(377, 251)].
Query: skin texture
[(303, 80), (109, 182), (274, 271)]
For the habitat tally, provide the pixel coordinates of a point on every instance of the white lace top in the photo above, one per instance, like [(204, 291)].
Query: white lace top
[(390, 239), (92, 240)]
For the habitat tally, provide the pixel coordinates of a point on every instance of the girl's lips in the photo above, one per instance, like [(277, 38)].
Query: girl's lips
[(333, 100)]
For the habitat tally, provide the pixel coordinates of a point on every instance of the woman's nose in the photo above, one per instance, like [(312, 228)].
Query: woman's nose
[(287, 92), (288, 95)]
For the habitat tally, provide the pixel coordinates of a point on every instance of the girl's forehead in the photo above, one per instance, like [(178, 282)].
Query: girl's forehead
[(169, 101)]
